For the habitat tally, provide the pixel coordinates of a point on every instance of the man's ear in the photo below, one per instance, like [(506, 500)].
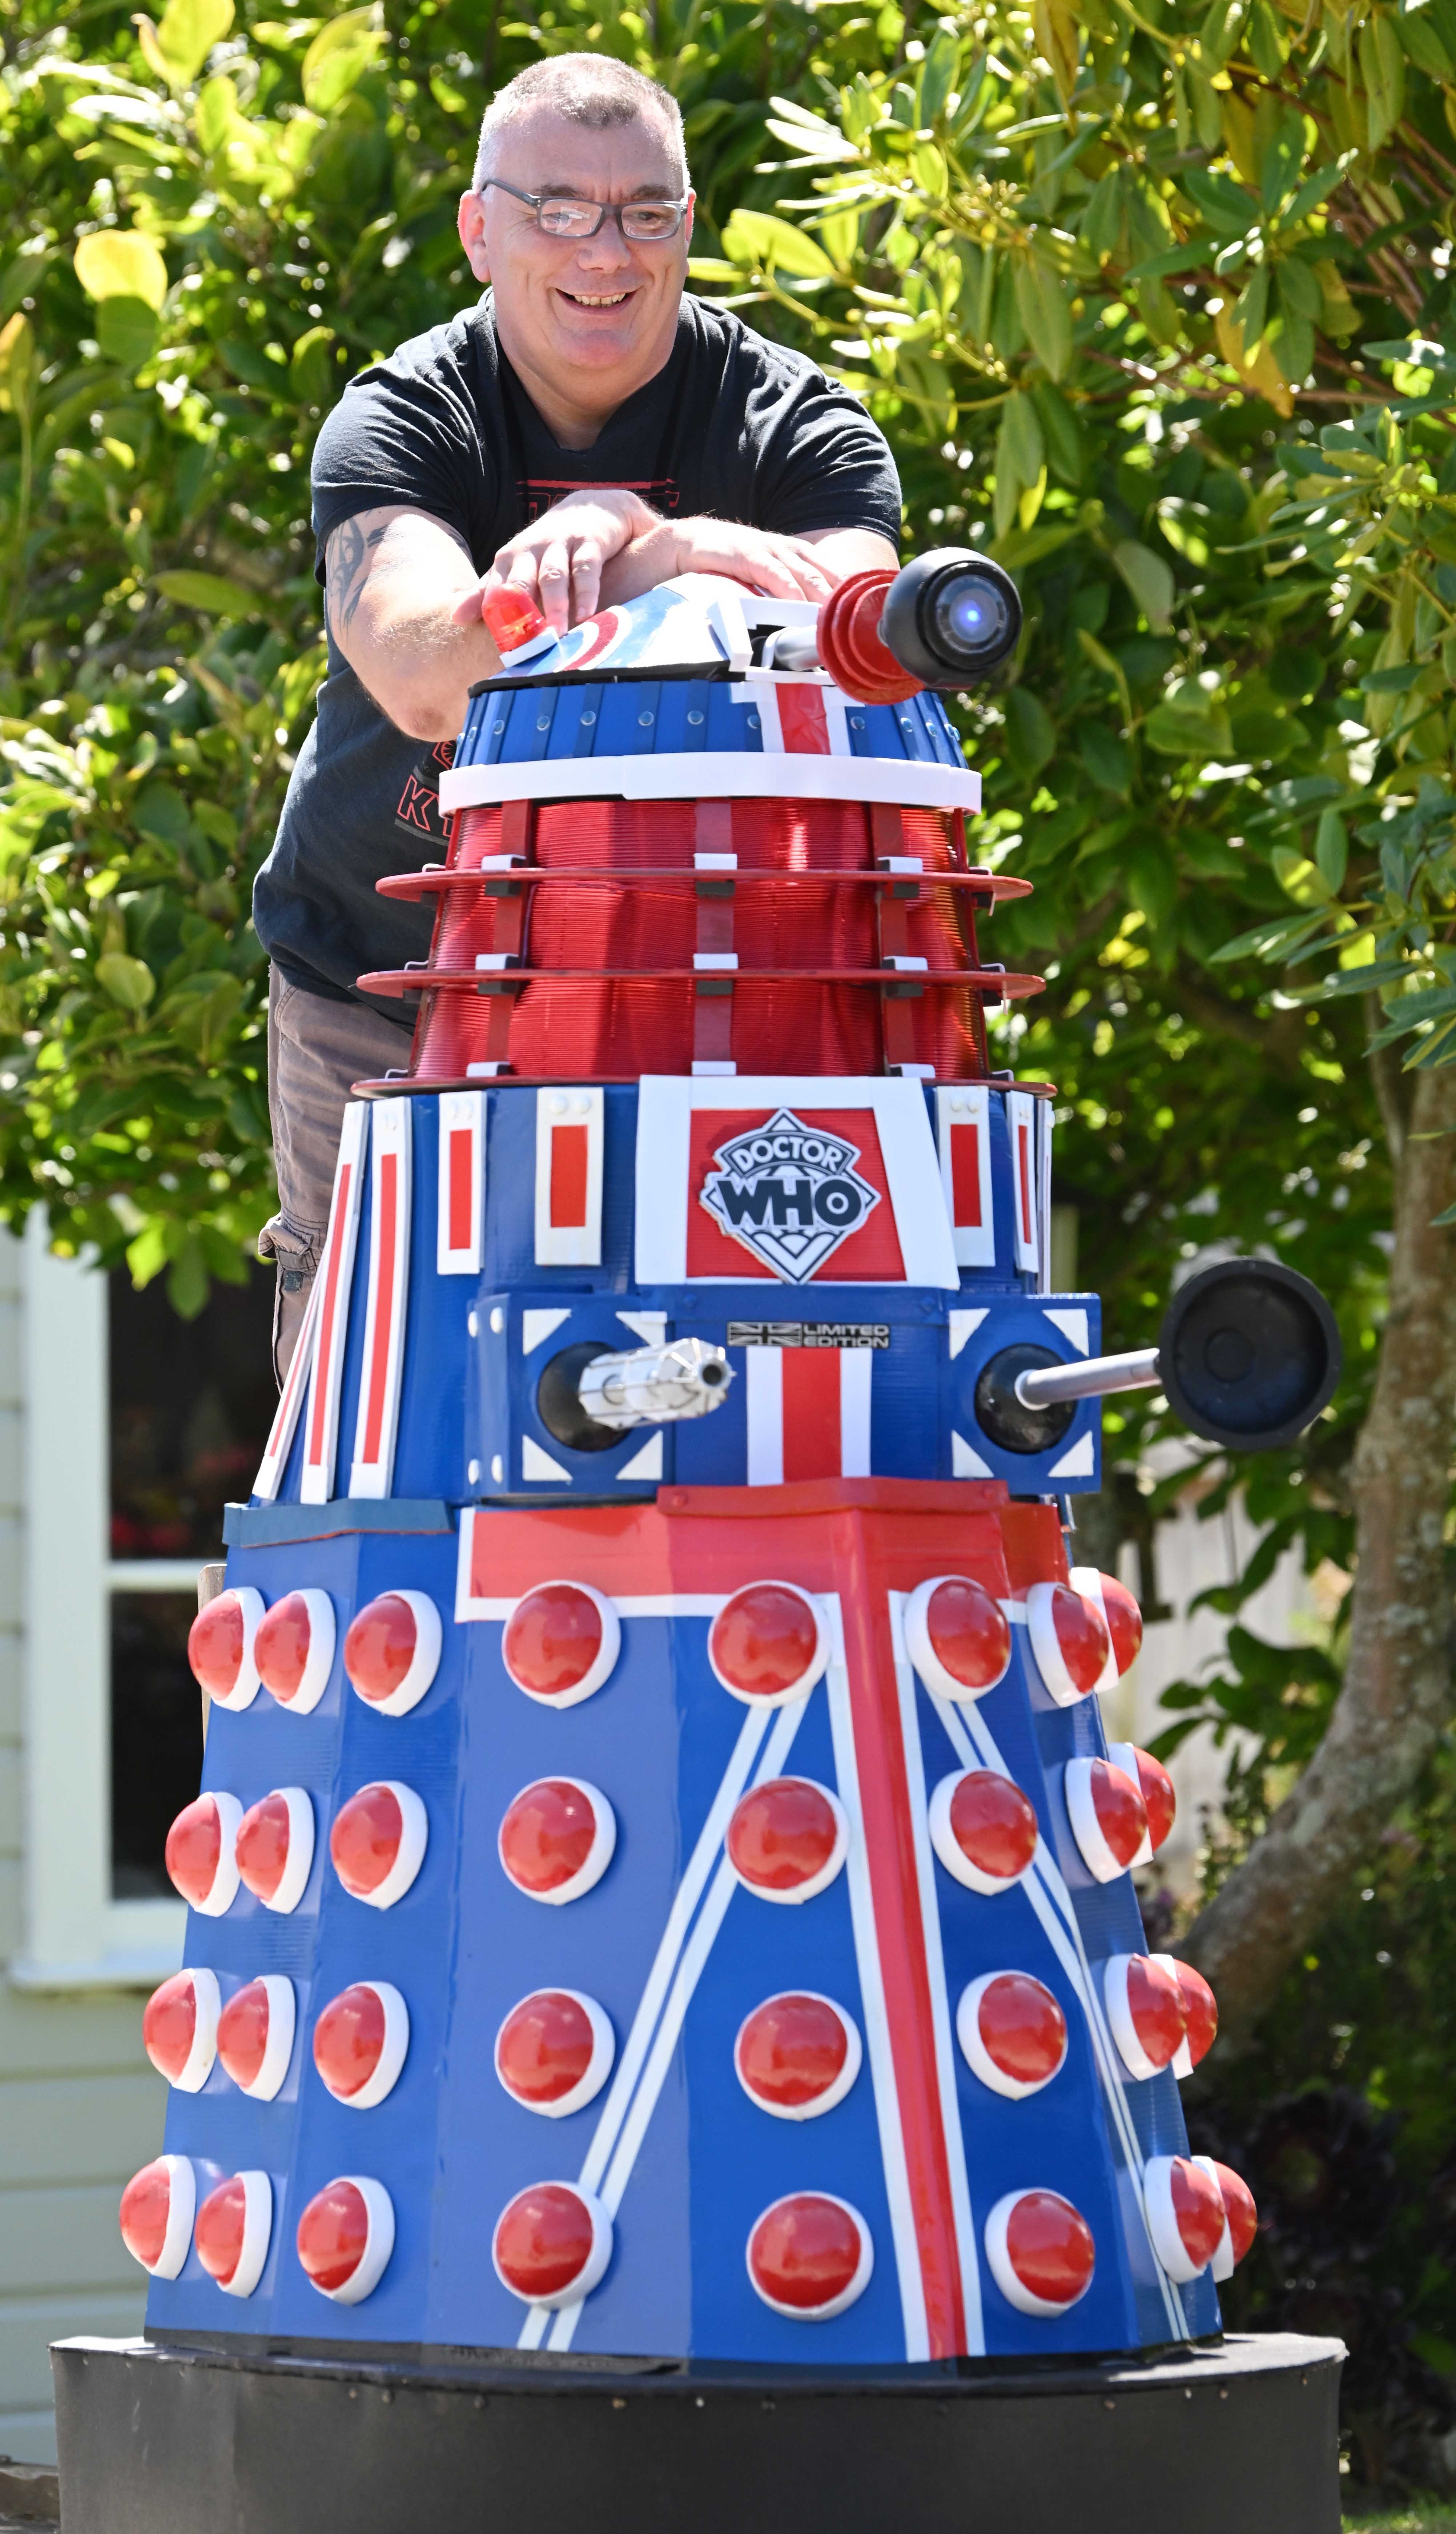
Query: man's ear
[(688, 221), (471, 221)]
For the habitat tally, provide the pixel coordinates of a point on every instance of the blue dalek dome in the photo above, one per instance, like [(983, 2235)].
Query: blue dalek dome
[(661, 1879)]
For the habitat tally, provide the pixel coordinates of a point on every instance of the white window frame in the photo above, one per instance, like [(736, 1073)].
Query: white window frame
[(75, 1935)]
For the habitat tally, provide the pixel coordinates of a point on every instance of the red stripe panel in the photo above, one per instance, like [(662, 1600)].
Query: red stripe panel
[(966, 1178), (1022, 1141), (384, 1305), (460, 1175), (812, 1442), (568, 1159), (326, 1318), (803, 721), (895, 1886)]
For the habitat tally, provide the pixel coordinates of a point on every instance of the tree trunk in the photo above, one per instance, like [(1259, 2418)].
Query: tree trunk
[(1397, 1693)]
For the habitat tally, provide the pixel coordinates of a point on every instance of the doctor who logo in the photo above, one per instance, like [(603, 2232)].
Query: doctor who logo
[(790, 1194)]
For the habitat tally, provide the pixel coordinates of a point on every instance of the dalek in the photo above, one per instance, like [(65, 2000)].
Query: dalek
[(667, 2032)]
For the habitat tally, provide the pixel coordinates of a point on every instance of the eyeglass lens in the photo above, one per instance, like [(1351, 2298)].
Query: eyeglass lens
[(567, 217)]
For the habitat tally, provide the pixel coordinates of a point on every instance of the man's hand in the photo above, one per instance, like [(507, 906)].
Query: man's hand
[(807, 567), (393, 580), (559, 560)]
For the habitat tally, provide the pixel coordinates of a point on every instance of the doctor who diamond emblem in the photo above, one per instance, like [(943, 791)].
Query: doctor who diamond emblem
[(790, 1194)]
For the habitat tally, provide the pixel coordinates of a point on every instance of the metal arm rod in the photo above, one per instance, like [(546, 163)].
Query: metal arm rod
[(1090, 1380)]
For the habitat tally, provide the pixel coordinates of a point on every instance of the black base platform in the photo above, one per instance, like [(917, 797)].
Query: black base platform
[(1231, 2437)]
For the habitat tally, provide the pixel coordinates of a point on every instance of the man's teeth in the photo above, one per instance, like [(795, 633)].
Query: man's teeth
[(602, 299)]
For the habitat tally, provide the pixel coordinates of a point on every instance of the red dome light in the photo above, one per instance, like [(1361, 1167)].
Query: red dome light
[(787, 1839), (768, 1645), (346, 2237), (557, 1838), (221, 1646), (810, 2255), (360, 2041), (1145, 2010), (391, 1651), (157, 2214), (1200, 2012), (255, 2036), (1186, 2215), (1106, 1817), (561, 1641), (275, 1849), (1121, 1614), (378, 1842), (797, 2055), (1012, 2031), (555, 2050), (233, 2227), (294, 1649), (1069, 1640), (1241, 2217), (1154, 1785), (550, 2244), (1041, 2252), (200, 1852), (179, 2028), (983, 1829), (958, 1636)]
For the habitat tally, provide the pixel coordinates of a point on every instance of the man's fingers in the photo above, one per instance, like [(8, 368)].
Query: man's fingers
[(466, 610), (554, 581), (586, 579)]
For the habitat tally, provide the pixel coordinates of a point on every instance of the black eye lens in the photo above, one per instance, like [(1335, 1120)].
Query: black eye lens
[(969, 617)]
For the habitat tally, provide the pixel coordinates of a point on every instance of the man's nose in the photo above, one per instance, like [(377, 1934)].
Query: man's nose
[(607, 252)]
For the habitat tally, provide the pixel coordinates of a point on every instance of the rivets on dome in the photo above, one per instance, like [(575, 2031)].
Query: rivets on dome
[(787, 1839), (1186, 2215), (158, 2208), (1012, 2032), (1041, 2252), (1241, 2217), (378, 1841), (234, 2225), (294, 1649), (345, 2236), (202, 1853), (550, 2244), (983, 1829), (769, 1644), (360, 2042), (1145, 2011), (557, 1838), (958, 1636), (561, 1643), (1070, 1640), (554, 2051), (275, 1849), (221, 1646), (797, 2055), (1106, 1817), (810, 2255), (179, 2028), (255, 2036), (391, 1651)]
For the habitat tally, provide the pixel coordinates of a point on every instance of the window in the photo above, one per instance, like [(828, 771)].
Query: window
[(139, 1429)]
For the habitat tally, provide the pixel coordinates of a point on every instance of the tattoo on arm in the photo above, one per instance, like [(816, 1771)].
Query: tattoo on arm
[(345, 570)]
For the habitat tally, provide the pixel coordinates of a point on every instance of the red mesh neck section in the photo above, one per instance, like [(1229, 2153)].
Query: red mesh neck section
[(598, 1029)]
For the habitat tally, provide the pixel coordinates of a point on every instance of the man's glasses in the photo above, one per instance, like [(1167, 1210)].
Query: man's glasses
[(563, 216)]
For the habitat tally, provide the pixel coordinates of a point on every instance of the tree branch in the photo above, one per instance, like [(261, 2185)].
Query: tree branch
[(1392, 1085), (1397, 1695)]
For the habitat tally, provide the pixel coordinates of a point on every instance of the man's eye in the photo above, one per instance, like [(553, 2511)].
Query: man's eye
[(566, 220)]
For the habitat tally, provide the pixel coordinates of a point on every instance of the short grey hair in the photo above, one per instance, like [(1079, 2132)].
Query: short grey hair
[(590, 88)]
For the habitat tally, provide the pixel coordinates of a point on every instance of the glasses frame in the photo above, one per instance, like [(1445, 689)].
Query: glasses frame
[(604, 212)]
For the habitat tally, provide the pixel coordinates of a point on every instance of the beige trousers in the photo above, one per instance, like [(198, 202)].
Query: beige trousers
[(317, 1049)]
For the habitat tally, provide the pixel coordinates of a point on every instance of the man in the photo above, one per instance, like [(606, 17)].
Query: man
[(584, 432)]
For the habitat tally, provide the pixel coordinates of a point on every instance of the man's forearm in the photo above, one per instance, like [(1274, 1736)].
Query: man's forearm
[(393, 577)]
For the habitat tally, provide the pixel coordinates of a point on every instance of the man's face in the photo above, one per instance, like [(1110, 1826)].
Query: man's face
[(598, 312)]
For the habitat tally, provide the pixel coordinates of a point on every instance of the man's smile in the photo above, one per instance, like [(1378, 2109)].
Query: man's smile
[(597, 298)]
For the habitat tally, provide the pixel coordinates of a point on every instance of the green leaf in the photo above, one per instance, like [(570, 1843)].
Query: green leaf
[(1223, 203), (1041, 303), (210, 593), (1061, 436), (1107, 758), (1152, 883), (760, 241), (1031, 733), (1300, 880), (188, 31), (312, 370), (1331, 849), (338, 56), (1149, 579), (121, 264), (16, 363), (129, 981), (1382, 66), (939, 75), (127, 332)]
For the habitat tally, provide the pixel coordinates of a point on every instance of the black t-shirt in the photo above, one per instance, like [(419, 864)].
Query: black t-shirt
[(732, 425)]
